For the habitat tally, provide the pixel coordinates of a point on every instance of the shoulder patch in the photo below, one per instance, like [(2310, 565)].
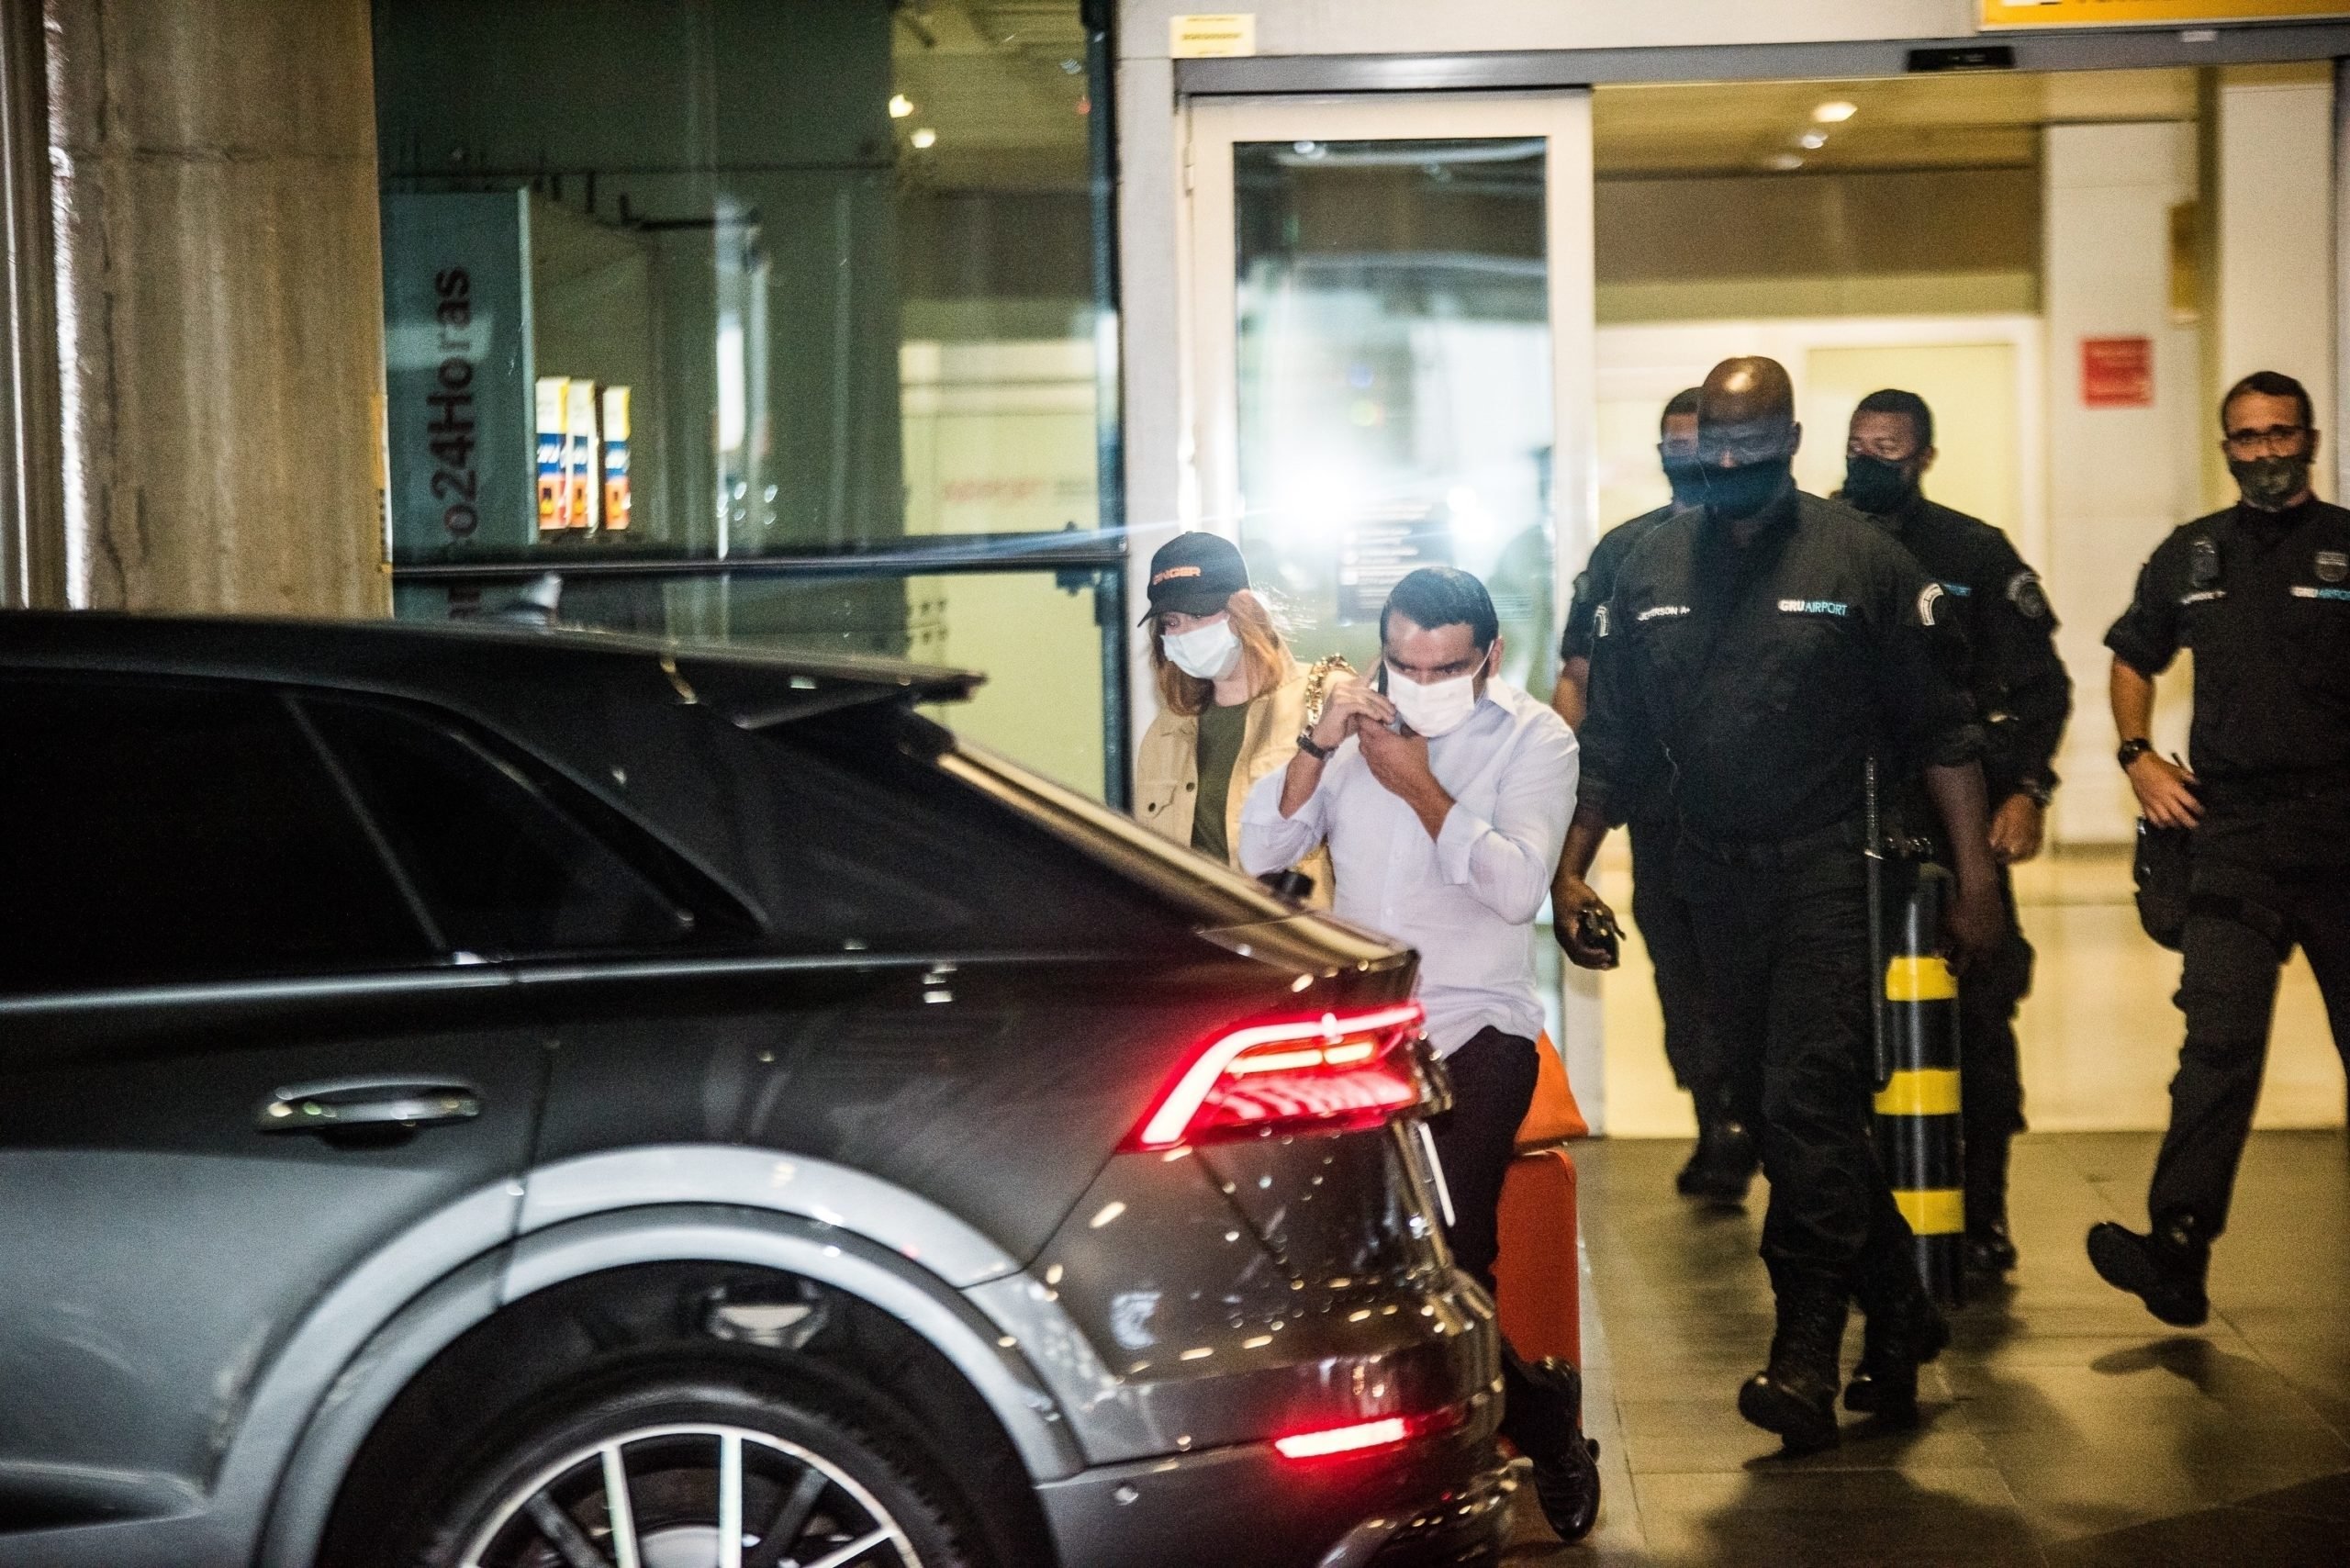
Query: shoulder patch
[(1599, 621), (2029, 598), (2203, 563), (1583, 586), (1928, 596), (2333, 565)]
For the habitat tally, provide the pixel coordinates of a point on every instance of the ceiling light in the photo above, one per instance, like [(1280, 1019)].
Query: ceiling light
[(925, 140), (1786, 162), (901, 105), (1835, 112), (1812, 140)]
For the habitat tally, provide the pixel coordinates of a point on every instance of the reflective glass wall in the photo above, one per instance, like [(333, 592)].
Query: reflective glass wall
[(777, 322)]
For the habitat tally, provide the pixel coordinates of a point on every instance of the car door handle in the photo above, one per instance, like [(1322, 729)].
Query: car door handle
[(383, 1104)]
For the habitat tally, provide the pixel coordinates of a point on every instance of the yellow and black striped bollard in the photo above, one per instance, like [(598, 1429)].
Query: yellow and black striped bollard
[(1918, 1120)]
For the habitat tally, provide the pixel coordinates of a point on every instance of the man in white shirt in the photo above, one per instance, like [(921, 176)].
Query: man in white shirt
[(1443, 793)]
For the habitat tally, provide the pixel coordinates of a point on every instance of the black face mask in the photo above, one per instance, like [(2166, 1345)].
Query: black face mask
[(1682, 474), (1734, 493), (2269, 482), (1874, 486)]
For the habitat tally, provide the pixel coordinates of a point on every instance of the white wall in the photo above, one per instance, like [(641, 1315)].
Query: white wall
[(2118, 478)]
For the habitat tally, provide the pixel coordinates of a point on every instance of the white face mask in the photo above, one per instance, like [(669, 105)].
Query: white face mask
[(1207, 653), (1437, 708)]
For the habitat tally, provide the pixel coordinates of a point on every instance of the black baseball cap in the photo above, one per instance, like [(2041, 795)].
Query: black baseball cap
[(1195, 574)]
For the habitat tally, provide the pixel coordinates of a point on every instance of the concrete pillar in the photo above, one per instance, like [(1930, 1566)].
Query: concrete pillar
[(2271, 153), (2121, 471), (219, 304)]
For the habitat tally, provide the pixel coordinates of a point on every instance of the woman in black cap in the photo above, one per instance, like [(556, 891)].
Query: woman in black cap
[(1231, 699)]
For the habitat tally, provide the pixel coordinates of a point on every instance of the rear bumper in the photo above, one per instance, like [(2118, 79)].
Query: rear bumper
[(1443, 1501)]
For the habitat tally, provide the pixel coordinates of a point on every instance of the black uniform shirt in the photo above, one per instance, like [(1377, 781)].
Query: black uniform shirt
[(1765, 676), (2011, 670), (1596, 584), (2263, 600)]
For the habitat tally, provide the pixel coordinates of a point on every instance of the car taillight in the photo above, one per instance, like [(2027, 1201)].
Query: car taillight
[(1362, 1437), (1337, 1072)]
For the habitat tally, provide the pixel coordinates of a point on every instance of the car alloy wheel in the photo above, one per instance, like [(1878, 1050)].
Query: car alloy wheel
[(690, 1495)]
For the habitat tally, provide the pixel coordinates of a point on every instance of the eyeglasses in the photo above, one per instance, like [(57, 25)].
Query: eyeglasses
[(2283, 440)]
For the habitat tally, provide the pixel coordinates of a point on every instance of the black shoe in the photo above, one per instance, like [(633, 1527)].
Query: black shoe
[(2166, 1270), (1795, 1394), (1991, 1251), (1722, 1166), (1566, 1464), (1900, 1338)]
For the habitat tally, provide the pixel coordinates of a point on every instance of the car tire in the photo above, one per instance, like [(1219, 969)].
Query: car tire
[(809, 1457)]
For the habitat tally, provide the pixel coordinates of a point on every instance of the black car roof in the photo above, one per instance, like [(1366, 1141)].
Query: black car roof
[(479, 661)]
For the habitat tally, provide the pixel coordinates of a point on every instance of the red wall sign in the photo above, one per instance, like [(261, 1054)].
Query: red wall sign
[(2117, 373)]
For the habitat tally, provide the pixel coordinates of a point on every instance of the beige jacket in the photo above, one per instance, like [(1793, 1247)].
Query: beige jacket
[(1167, 769)]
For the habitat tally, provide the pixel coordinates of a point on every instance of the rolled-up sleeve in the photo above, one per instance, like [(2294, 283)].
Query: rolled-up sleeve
[(1506, 863), (1270, 841)]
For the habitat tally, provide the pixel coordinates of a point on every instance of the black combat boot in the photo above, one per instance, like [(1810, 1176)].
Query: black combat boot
[(1904, 1330), (1723, 1165), (1795, 1394), (1542, 1414), (1989, 1250), (2165, 1270)]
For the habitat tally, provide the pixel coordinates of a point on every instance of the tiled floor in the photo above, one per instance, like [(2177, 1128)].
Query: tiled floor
[(2064, 1426)]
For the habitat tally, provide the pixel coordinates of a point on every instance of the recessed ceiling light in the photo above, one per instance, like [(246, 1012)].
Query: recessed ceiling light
[(1812, 140), (925, 139), (1835, 112), (901, 107), (1786, 161)]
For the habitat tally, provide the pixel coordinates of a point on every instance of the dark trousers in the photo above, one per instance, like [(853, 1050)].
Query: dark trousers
[(1671, 940), (1787, 955), (2243, 919), (1990, 1075), (1492, 1084)]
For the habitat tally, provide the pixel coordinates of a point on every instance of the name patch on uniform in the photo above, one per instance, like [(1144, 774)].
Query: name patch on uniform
[(2205, 597), (2333, 565), (1958, 590), (1814, 606), (1655, 612), (2302, 592)]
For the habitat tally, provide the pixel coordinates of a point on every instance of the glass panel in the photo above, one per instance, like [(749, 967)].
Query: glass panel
[(1033, 636), (736, 275), (1395, 380)]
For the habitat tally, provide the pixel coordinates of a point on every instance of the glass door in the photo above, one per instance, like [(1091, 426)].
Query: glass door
[(1391, 358)]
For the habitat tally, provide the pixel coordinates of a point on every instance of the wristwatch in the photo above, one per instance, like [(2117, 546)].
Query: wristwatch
[(1312, 747), (2131, 750)]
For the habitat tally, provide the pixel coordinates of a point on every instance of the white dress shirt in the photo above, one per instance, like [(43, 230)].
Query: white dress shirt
[(1467, 897)]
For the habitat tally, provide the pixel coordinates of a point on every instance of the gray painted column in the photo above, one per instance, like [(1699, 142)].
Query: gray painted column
[(219, 301)]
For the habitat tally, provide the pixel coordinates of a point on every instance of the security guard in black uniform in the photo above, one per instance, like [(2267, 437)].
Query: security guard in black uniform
[(2022, 696), (1756, 653), (1725, 1159), (2261, 593)]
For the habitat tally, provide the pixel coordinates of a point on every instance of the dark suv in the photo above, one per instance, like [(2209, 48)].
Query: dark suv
[(543, 1101)]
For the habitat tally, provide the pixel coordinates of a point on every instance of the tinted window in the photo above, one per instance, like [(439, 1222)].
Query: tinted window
[(179, 832), (872, 846), (502, 869)]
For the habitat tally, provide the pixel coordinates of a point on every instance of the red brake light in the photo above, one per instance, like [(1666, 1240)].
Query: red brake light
[(1362, 1437), (1334, 1073)]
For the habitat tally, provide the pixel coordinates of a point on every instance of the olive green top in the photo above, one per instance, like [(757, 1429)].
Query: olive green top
[(1221, 731)]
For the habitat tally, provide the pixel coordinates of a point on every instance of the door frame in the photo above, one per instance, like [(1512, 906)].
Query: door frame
[(1208, 488)]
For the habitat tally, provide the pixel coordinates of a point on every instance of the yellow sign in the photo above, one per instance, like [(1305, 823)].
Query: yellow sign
[(1219, 35), (2150, 13)]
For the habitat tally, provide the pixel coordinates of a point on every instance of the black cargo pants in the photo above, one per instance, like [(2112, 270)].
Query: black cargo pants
[(1990, 1071), (1662, 916), (1785, 945), (2246, 912)]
